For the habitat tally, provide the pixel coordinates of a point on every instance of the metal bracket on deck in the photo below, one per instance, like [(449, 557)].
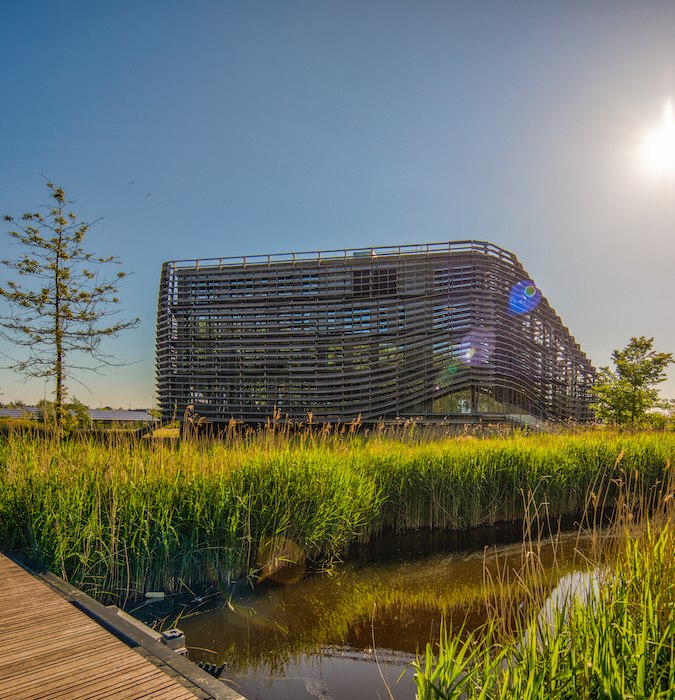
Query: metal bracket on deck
[(174, 639)]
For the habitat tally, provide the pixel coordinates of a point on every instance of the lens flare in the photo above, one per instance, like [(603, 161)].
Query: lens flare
[(524, 297), (477, 347), (280, 560)]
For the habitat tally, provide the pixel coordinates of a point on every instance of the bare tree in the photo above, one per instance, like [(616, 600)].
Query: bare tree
[(61, 318)]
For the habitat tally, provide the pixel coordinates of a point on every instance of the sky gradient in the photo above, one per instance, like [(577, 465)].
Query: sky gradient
[(215, 128)]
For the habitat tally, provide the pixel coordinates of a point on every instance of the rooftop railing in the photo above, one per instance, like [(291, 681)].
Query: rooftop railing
[(317, 256)]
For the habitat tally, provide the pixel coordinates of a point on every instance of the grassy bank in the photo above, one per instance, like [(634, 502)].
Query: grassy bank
[(616, 641), (119, 519)]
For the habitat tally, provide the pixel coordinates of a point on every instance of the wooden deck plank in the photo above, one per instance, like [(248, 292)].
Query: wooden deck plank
[(48, 627), (66, 667), (50, 649), (123, 680), (62, 658), (38, 649), (107, 664), (56, 677), (25, 613), (119, 678), (71, 616), (28, 607), (156, 695)]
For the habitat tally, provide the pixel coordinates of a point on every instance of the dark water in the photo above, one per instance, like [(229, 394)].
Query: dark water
[(352, 633)]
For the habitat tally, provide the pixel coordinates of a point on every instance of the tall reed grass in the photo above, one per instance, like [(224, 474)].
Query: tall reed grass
[(607, 631), (128, 516), (620, 644)]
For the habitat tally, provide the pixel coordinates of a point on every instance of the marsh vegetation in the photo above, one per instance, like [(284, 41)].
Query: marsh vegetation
[(605, 631), (123, 516)]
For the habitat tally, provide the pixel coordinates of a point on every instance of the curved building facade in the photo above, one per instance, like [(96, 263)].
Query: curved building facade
[(442, 329)]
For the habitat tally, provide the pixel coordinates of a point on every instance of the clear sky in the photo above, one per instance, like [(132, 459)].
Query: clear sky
[(216, 128)]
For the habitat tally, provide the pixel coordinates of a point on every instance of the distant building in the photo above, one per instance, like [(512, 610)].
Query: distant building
[(453, 329), (97, 416)]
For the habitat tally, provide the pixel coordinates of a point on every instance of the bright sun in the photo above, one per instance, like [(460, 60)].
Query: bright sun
[(658, 145)]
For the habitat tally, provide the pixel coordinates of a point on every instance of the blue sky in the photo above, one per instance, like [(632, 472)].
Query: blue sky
[(215, 128)]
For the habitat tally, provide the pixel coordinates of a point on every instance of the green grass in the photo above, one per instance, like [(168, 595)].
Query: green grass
[(120, 518), (605, 631), (617, 644)]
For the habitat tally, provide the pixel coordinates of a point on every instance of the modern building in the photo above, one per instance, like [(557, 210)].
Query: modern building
[(454, 329)]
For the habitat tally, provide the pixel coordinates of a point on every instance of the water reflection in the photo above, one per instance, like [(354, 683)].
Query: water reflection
[(576, 589), (333, 675), (313, 637)]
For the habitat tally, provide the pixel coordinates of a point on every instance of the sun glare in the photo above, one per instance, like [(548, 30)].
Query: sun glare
[(658, 146)]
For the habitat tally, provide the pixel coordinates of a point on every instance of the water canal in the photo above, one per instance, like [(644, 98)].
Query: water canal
[(352, 633)]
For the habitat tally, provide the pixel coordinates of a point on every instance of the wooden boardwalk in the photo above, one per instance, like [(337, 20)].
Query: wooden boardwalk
[(51, 649)]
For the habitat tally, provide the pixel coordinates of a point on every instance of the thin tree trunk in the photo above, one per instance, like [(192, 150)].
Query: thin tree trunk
[(58, 330), (58, 369)]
